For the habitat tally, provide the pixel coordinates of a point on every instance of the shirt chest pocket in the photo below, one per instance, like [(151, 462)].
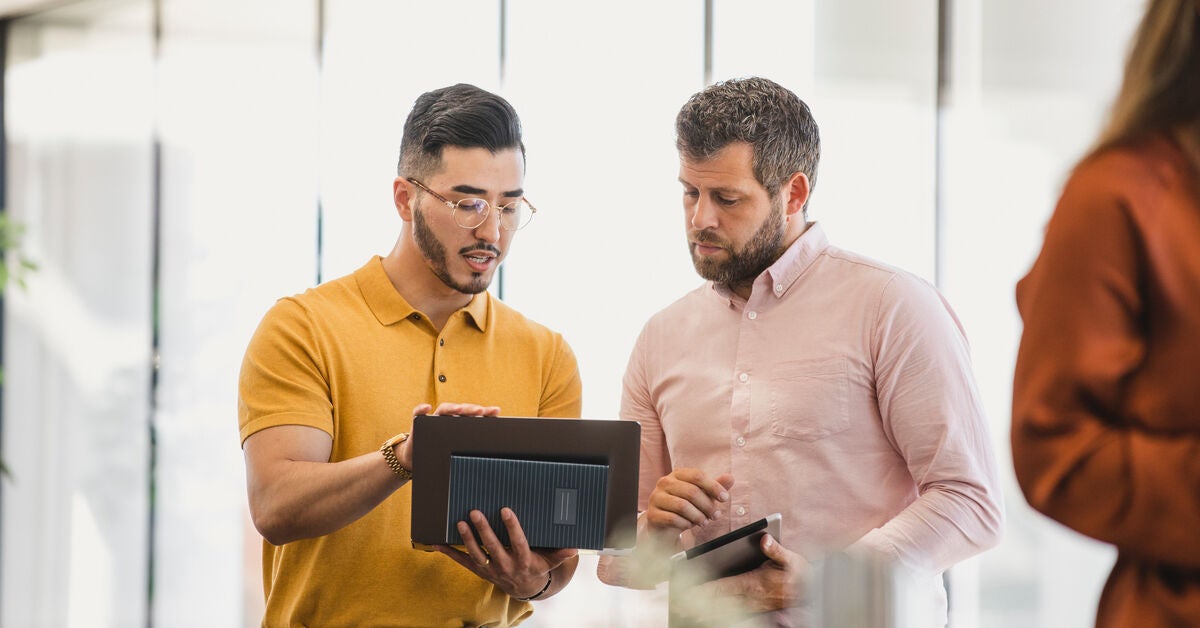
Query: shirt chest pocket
[(810, 399)]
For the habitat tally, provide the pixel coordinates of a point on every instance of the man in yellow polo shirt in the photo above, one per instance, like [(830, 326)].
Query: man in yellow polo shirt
[(332, 378)]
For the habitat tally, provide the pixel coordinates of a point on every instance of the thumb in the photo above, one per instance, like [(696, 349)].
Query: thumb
[(422, 409), (774, 551)]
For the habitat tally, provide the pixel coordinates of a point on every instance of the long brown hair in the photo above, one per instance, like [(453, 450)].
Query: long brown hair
[(1160, 92)]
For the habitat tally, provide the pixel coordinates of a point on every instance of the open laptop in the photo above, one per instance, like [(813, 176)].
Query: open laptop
[(572, 482)]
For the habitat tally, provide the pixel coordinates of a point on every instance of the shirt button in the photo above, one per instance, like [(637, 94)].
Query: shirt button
[(743, 377), (752, 315), (741, 511), (741, 442), (415, 317), (441, 342), (442, 378), (778, 288)]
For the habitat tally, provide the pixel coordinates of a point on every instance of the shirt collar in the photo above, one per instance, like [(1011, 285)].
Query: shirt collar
[(796, 259), (390, 308), (778, 278), (478, 310)]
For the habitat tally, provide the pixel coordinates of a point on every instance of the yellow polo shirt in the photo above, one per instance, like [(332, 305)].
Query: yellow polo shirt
[(352, 358)]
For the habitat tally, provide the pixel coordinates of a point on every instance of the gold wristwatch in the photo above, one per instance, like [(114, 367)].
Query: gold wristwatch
[(389, 454)]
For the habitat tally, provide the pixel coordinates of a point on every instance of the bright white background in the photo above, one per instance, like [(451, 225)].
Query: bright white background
[(174, 187)]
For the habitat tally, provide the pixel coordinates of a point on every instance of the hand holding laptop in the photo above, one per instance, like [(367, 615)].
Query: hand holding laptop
[(518, 570), (404, 450)]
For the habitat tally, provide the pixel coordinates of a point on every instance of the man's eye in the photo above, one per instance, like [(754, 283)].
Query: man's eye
[(472, 205), (726, 201)]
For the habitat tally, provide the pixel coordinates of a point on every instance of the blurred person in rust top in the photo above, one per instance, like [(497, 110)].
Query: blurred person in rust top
[(1106, 399), (332, 378), (800, 378)]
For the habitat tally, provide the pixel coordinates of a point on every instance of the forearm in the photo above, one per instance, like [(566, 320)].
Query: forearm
[(947, 524), (305, 499)]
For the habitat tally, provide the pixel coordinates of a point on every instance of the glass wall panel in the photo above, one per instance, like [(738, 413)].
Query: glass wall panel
[(874, 96), (1030, 82), (239, 141), (781, 48), (77, 342), (598, 86), (378, 57), (598, 93)]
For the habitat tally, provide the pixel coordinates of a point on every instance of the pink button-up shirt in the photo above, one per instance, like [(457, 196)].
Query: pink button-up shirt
[(840, 394)]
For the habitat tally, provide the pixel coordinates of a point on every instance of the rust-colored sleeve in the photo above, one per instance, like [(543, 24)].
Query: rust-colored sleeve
[(1079, 457)]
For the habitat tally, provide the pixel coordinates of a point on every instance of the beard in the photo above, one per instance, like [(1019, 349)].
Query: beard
[(434, 252), (744, 265)]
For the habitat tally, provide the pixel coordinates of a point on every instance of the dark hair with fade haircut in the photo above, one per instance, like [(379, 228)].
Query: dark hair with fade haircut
[(460, 115), (760, 112)]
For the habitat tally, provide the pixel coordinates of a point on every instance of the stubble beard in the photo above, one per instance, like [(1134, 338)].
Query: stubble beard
[(434, 252)]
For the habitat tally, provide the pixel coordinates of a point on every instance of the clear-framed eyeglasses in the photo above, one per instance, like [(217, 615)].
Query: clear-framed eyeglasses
[(469, 213)]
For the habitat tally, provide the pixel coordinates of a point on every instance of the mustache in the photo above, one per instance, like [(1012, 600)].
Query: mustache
[(708, 237), (479, 246)]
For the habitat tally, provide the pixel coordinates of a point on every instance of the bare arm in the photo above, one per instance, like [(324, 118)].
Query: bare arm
[(296, 493)]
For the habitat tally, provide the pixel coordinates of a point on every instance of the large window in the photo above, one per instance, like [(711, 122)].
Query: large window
[(77, 343)]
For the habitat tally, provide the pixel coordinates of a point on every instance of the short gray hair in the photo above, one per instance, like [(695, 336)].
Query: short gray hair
[(760, 112)]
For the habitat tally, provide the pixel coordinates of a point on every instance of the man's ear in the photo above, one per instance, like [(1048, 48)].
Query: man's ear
[(798, 189), (403, 195)]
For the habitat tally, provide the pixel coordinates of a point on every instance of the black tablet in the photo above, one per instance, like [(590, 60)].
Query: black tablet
[(730, 554)]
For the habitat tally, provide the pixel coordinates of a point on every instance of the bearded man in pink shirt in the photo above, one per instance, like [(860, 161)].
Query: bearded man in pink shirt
[(800, 378)]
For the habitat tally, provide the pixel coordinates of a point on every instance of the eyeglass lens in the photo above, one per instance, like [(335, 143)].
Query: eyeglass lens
[(472, 212)]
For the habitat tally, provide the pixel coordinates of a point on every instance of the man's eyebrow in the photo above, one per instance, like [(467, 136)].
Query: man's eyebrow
[(469, 189), (722, 190)]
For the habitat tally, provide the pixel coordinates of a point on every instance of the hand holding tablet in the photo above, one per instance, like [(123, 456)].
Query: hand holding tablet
[(730, 554), (692, 605)]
